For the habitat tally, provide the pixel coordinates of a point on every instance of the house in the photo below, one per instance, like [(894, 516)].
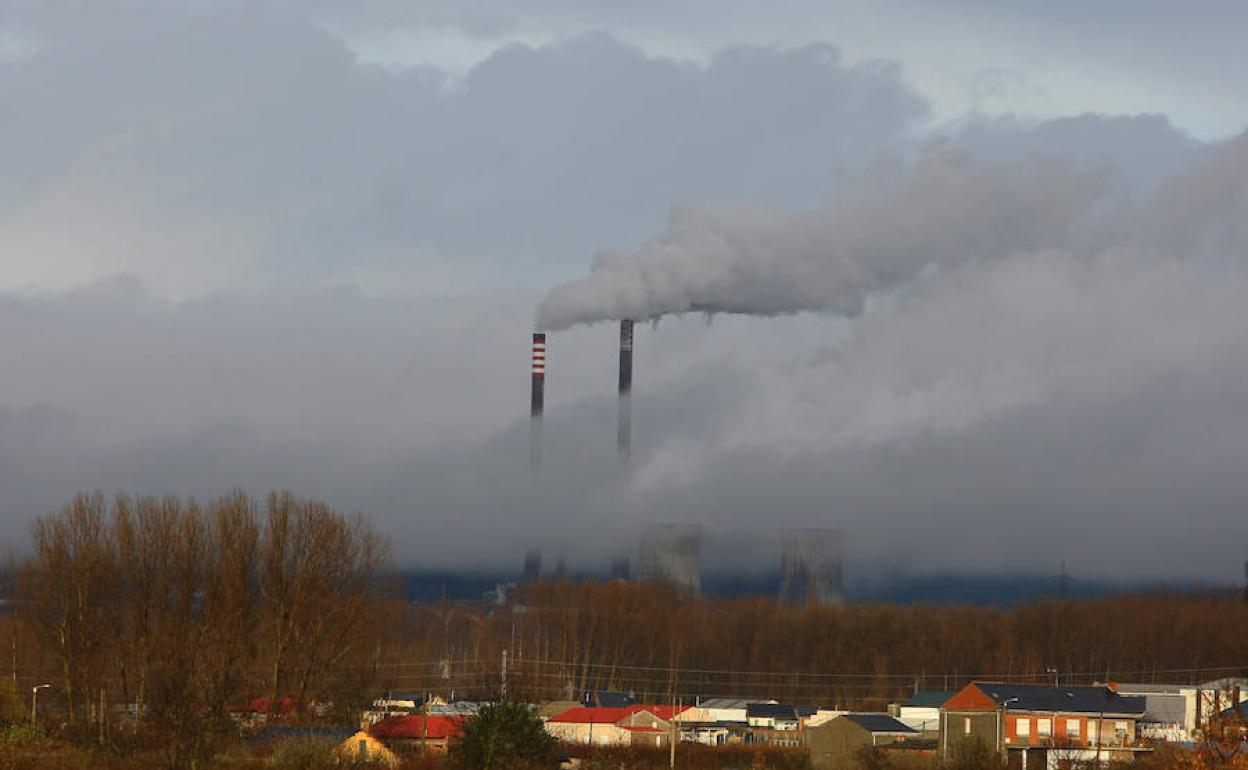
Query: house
[(722, 709), (1044, 726), (419, 732), (270, 735), (777, 716), (633, 725), (1178, 712), (836, 744), (705, 733), (921, 711), (364, 747)]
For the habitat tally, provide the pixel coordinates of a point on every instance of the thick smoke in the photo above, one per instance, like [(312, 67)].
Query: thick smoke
[(891, 225)]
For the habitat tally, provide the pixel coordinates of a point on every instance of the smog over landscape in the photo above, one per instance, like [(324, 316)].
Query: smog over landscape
[(968, 287)]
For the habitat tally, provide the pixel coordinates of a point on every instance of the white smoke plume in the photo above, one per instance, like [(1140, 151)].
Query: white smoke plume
[(890, 225)]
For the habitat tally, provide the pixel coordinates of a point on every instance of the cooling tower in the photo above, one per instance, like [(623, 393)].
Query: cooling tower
[(624, 427), (671, 553), (537, 399), (812, 567)]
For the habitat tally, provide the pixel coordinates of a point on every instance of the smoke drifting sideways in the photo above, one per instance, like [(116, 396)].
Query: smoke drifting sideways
[(892, 224)]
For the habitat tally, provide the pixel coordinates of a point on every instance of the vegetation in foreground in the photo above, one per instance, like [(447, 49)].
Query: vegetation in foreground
[(153, 625)]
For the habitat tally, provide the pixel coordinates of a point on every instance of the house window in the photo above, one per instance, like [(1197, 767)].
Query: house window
[(1072, 729), (966, 725), (1022, 727), (1093, 731), (1044, 728), (1121, 730)]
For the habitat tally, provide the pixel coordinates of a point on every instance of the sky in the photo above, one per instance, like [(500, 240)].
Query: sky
[(961, 278)]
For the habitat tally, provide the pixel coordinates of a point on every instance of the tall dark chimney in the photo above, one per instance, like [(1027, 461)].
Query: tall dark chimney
[(537, 401), (624, 429)]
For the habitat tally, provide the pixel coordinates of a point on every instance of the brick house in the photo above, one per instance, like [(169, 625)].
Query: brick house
[(1039, 726), (837, 743)]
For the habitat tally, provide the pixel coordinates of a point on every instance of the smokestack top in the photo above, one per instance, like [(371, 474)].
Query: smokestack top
[(539, 353)]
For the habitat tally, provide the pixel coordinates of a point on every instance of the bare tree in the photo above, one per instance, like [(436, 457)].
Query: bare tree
[(72, 585)]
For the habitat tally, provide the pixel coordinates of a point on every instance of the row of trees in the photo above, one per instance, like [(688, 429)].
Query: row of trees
[(182, 609), (566, 638)]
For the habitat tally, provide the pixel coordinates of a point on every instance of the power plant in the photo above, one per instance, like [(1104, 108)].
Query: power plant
[(672, 553), (624, 427), (811, 564), (537, 399)]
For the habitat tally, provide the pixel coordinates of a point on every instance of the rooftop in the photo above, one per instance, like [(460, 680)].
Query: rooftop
[(770, 711), (929, 698), (1087, 700), (438, 728), (880, 723)]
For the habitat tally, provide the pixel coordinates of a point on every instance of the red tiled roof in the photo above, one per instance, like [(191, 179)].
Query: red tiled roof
[(412, 727), (593, 715), (600, 715), (660, 711), (261, 705)]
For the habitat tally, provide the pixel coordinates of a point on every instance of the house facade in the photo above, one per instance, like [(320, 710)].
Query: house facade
[(1040, 726), (624, 726), (837, 743)]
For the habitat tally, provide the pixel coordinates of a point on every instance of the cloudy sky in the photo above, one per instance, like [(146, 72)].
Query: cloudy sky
[(963, 278)]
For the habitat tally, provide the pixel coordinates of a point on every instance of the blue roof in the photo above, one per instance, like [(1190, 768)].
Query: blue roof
[(879, 723), (770, 710), (929, 698), (1084, 700), (609, 699), (276, 733)]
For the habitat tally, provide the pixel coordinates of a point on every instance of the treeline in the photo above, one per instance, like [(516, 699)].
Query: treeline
[(180, 612), (568, 638), (168, 615)]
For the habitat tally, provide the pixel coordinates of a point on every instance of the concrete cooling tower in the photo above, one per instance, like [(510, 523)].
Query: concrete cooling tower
[(812, 568), (671, 553)]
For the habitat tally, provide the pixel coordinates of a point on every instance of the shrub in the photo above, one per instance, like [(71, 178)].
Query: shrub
[(503, 736)]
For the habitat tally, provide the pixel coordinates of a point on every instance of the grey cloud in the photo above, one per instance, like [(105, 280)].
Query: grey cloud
[(1141, 150), (1044, 359), (225, 144)]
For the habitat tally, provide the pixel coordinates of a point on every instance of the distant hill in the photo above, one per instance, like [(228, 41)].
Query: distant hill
[(425, 586)]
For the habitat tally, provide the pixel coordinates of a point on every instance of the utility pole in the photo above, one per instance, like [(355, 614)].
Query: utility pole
[(502, 674), (671, 760)]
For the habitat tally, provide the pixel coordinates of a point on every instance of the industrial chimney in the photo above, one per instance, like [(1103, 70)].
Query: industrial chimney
[(624, 428), (537, 399)]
